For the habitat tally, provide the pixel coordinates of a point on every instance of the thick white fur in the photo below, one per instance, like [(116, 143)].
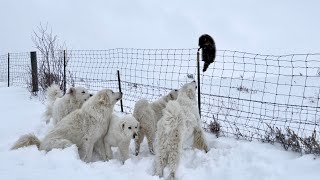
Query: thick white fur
[(59, 106), (121, 131), (148, 114), (83, 127), (180, 122), (26, 140), (53, 93)]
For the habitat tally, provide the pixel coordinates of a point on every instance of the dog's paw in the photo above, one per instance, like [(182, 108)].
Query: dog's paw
[(171, 176), (206, 149), (152, 152)]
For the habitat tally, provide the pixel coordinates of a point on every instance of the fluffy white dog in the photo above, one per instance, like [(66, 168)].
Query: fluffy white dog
[(121, 131), (180, 122), (58, 106), (148, 114), (84, 127)]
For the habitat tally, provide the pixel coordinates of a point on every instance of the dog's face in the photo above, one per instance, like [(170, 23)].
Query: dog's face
[(79, 93), (107, 97), (130, 126), (173, 94), (189, 90)]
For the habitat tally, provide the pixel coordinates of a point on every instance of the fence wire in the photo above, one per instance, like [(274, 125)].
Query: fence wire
[(19, 68), (249, 95), (4, 68)]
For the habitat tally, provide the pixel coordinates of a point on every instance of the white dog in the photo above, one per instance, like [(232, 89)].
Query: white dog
[(83, 127), (58, 106), (180, 122), (121, 131), (148, 114)]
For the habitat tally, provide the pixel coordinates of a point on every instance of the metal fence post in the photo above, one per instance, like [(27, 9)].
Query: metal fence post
[(34, 71), (119, 82), (8, 69), (198, 70), (64, 72)]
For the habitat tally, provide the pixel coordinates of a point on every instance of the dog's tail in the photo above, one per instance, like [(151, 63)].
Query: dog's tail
[(139, 109), (172, 116), (26, 140), (53, 93)]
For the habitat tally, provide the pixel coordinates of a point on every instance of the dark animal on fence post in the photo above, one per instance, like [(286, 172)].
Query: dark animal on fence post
[(207, 44)]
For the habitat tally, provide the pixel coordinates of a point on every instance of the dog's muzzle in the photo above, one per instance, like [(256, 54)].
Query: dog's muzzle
[(135, 135), (120, 97)]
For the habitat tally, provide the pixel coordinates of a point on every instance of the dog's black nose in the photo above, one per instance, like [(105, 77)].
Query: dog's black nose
[(134, 135), (91, 95)]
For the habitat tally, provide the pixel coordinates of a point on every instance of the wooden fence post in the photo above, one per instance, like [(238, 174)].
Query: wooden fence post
[(119, 82), (198, 69), (64, 72), (34, 71), (8, 69)]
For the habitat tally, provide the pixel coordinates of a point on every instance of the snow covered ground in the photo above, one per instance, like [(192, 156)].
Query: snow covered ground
[(228, 158)]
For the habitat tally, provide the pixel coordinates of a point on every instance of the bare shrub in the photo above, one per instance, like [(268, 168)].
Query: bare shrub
[(311, 145), (270, 135), (214, 127), (293, 140), (52, 59), (289, 140)]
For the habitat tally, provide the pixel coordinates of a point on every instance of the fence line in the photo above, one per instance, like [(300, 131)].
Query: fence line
[(250, 95)]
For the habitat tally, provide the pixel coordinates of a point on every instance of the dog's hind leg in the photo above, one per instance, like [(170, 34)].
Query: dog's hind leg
[(161, 158), (139, 141), (160, 163), (174, 158), (87, 150), (100, 149), (199, 141), (48, 145), (108, 151), (150, 134)]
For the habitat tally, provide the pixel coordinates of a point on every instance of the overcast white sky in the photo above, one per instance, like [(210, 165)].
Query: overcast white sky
[(264, 26)]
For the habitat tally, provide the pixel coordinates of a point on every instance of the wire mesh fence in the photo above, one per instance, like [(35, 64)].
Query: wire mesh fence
[(251, 96), (3, 68), (19, 68), (144, 73)]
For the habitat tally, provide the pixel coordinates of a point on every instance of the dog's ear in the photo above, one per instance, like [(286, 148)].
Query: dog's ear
[(104, 98), (191, 93), (122, 125), (171, 96), (71, 91)]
